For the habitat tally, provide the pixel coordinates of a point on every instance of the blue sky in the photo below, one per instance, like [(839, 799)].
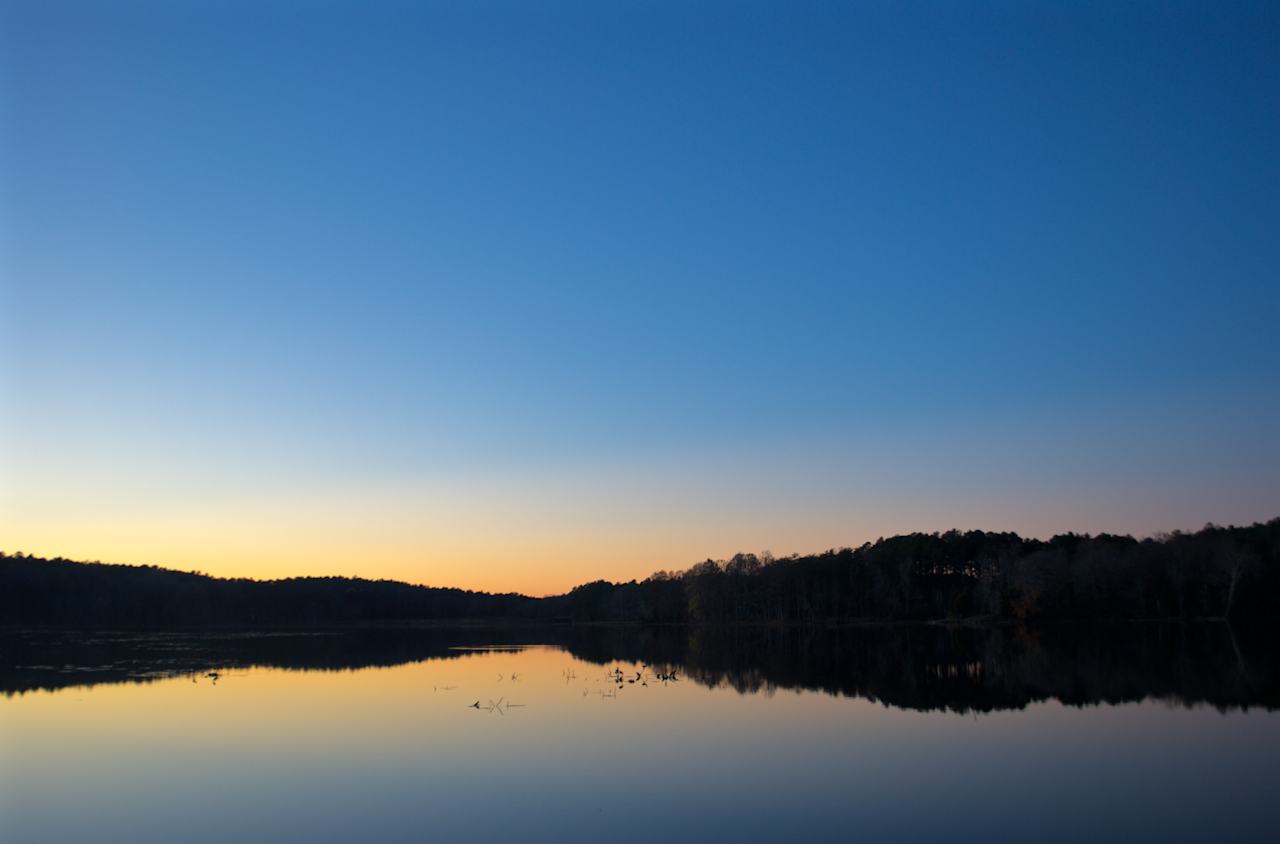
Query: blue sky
[(814, 272)]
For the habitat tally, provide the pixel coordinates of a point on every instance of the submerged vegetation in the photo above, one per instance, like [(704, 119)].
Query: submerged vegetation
[(1217, 572)]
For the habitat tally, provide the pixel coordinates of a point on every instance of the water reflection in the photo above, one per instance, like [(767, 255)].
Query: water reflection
[(913, 667), (623, 734)]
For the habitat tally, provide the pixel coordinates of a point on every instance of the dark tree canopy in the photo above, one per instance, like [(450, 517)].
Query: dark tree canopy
[(1217, 572)]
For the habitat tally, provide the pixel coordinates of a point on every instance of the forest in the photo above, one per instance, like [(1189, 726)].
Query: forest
[(1230, 573)]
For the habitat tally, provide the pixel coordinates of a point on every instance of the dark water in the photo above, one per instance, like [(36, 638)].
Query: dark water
[(604, 734)]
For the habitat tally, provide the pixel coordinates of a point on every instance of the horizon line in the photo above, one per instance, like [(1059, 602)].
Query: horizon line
[(1153, 537)]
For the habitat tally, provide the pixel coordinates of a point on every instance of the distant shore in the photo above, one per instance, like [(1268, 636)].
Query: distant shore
[(974, 577)]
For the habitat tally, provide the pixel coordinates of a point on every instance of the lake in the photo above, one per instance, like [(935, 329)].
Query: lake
[(575, 733)]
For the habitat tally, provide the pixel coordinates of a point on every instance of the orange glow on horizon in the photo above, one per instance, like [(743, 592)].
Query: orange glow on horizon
[(533, 534)]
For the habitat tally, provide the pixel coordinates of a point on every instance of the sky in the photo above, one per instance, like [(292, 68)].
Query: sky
[(515, 296)]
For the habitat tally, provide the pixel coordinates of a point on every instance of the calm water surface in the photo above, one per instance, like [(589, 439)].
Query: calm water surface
[(837, 736)]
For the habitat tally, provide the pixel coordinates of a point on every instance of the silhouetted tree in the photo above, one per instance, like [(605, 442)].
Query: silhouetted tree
[(1218, 572)]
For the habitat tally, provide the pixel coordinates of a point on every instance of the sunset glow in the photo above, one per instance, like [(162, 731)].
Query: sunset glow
[(801, 284)]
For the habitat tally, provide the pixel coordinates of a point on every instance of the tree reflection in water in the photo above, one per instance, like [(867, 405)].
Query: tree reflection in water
[(910, 666)]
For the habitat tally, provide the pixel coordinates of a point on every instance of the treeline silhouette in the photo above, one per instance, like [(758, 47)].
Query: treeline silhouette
[(40, 591), (958, 668), (1218, 572)]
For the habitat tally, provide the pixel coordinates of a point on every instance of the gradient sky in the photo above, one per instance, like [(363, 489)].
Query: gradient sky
[(513, 296)]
